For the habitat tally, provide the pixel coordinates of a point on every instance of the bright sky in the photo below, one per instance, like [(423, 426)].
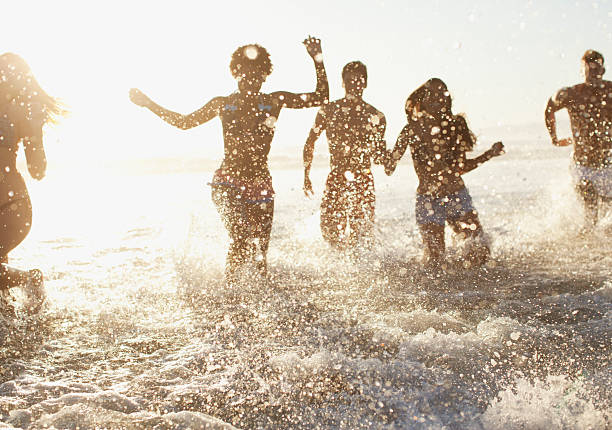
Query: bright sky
[(501, 60)]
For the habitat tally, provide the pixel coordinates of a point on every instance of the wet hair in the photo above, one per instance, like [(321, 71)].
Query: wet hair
[(437, 86), (592, 56), (415, 101), (16, 74), (250, 60), (355, 68)]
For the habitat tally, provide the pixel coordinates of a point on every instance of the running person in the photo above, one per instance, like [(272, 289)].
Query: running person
[(439, 141), (242, 187), (355, 131), (24, 109), (590, 110)]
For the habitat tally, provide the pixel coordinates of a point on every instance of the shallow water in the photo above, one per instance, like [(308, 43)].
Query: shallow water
[(141, 332)]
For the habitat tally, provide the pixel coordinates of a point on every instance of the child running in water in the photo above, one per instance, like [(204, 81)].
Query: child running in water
[(242, 187), (439, 141)]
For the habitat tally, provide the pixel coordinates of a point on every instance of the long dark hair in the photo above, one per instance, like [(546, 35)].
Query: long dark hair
[(415, 105), (415, 102), (19, 84)]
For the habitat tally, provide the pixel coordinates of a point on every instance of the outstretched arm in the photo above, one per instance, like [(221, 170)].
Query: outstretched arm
[(467, 165), (555, 104), (314, 134), (184, 122), (321, 93)]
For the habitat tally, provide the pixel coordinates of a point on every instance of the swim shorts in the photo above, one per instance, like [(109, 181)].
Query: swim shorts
[(437, 210), (599, 178)]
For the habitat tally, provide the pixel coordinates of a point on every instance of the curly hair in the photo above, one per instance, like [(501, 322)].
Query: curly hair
[(249, 60)]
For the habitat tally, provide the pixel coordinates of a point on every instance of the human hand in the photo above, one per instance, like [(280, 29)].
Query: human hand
[(308, 191), (139, 98), (497, 149), (313, 46), (388, 170)]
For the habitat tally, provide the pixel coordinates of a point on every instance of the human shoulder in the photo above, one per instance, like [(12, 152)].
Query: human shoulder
[(411, 132), (375, 117), (567, 94)]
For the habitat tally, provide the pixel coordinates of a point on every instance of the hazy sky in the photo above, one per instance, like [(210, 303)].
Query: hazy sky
[(500, 59)]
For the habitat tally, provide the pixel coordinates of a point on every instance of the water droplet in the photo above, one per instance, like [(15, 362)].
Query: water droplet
[(251, 52)]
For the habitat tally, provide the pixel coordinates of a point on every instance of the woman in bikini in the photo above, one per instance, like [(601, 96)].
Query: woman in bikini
[(439, 141), (242, 187), (24, 109)]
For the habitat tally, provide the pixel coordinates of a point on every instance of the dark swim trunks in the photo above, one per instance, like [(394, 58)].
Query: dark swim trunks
[(437, 210)]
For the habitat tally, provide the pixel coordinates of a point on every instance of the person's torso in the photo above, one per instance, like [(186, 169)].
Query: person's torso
[(437, 149), (10, 135), (248, 128), (590, 111), (353, 127)]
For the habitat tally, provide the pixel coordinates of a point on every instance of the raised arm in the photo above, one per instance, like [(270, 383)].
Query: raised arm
[(555, 104), (308, 154), (321, 93), (467, 165), (184, 122)]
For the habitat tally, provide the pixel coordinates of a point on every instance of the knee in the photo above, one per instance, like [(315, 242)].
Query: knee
[(587, 191)]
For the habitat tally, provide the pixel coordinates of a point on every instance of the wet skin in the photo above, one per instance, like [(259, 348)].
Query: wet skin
[(248, 118)]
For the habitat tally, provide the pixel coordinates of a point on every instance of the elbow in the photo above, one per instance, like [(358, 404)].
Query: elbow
[(184, 125)]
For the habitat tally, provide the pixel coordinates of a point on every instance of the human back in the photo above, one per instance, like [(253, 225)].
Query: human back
[(438, 148), (589, 106), (248, 122), (354, 130)]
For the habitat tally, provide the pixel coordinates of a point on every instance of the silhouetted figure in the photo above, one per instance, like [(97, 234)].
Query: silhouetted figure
[(590, 110), (242, 187), (355, 131), (439, 141), (24, 109)]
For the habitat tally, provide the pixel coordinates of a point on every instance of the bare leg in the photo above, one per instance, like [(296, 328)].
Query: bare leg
[(361, 211), (333, 214), (261, 217), (231, 211), (433, 239), (245, 223), (31, 281), (589, 197), (15, 223), (468, 227)]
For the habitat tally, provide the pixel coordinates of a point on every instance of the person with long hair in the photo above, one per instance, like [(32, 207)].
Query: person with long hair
[(242, 187), (439, 141), (355, 133), (24, 109)]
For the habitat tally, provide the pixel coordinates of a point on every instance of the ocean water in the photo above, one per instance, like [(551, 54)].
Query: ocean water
[(140, 330)]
